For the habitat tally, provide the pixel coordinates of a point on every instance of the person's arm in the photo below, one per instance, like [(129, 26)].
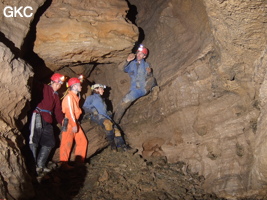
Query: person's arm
[(58, 110), (126, 66), (148, 70), (128, 60), (69, 110), (86, 105)]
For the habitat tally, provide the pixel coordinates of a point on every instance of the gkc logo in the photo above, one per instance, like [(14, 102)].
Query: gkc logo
[(21, 11)]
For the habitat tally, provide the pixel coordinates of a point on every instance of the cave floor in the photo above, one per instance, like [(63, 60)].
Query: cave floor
[(122, 175)]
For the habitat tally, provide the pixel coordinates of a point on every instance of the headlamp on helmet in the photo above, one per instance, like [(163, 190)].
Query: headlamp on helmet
[(81, 78), (58, 78), (95, 86), (142, 49)]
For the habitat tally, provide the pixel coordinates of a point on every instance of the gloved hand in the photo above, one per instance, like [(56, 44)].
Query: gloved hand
[(94, 111), (130, 57), (75, 129), (59, 126), (109, 113)]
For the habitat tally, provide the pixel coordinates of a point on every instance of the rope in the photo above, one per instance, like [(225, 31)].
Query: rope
[(65, 93)]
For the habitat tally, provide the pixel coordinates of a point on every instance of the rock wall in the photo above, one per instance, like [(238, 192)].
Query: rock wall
[(208, 57), (80, 32), (71, 33), (15, 79), (209, 60), (15, 29)]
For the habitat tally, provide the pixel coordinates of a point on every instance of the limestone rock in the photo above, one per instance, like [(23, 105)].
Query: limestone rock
[(204, 55), (92, 31), (16, 28), (14, 79), (15, 181)]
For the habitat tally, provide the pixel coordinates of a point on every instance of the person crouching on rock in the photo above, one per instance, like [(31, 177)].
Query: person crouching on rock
[(95, 108)]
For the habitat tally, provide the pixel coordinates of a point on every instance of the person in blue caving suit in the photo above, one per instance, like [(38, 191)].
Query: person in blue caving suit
[(96, 110), (142, 80)]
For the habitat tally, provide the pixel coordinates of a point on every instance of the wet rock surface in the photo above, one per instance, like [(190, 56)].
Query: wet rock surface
[(122, 175)]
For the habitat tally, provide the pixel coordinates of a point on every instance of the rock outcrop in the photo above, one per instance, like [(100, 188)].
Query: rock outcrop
[(14, 29), (209, 60), (80, 32), (15, 90), (15, 81)]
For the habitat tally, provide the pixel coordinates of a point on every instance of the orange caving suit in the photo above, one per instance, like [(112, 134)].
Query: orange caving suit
[(70, 106)]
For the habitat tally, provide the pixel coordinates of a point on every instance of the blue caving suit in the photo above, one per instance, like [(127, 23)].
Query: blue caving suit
[(95, 106), (139, 87)]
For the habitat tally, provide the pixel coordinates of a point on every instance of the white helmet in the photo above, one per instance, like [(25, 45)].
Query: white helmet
[(97, 86)]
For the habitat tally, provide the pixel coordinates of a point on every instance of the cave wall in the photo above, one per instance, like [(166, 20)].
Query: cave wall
[(15, 79), (74, 32), (79, 34), (208, 58), (209, 67)]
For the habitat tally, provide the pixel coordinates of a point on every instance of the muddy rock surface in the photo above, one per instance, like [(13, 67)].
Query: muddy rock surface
[(122, 175)]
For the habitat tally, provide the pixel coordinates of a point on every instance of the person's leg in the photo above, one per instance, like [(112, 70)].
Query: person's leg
[(42, 158), (34, 137), (81, 145), (33, 148), (47, 142), (150, 83), (119, 141), (124, 104), (108, 125), (66, 144)]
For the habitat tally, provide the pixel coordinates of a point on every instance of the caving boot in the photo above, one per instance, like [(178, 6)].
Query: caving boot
[(65, 166), (42, 158), (126, 148), (110, 138)]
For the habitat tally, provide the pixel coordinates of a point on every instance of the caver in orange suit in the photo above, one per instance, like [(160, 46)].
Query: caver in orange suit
[(70, 106)]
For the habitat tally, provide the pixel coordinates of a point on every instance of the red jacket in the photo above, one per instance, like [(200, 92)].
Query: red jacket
[(71, 108), (50, 102)]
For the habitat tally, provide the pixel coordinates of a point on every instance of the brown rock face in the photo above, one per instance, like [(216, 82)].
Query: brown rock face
[(206, 111), (15, 79), (15, 26), (15, 74), (75, 32), (15, 95), (209, 59)]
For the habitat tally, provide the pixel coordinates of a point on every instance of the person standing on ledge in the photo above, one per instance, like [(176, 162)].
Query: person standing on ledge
[(142, 80), (42, 133), (73, 131)]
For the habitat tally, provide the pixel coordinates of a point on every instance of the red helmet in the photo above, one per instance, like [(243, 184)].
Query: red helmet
[(73, 81), (142, 49), (58, 78)]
